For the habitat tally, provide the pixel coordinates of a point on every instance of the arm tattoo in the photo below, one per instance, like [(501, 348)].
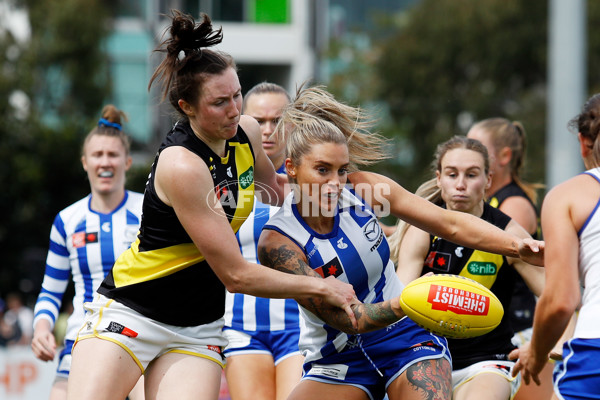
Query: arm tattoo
[(369, 316), (377, 315), (431, 378), (285, 260)]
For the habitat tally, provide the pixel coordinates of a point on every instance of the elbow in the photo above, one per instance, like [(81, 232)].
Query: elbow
[(234, 283), (564, 307)]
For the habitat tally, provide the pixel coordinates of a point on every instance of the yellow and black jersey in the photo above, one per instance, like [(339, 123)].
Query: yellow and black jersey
[(163, 275), (523, 302), (491, 270)]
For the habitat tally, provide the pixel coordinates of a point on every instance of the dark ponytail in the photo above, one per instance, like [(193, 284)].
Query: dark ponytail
[(188, 59)]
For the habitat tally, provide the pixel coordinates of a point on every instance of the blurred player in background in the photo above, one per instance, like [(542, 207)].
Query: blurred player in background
[(85, 240), (506, 144)]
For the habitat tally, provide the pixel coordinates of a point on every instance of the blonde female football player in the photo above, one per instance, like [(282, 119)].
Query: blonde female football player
[(328, 227), (480, 365)]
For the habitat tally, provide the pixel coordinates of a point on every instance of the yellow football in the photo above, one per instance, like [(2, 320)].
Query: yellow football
[(452, 306)]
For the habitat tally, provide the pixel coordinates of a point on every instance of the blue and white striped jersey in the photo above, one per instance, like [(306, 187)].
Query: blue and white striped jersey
[(84, 244), (355, 251), (249, 313)]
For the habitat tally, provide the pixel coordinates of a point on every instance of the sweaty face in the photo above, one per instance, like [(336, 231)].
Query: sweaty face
[(320, 176), (105, 161), (266, 108), (217, 114), (463, 181)]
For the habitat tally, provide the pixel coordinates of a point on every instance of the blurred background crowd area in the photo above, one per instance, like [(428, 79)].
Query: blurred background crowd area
[(426, 69)]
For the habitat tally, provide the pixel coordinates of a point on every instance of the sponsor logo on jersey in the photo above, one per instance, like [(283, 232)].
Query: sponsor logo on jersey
[(80, 239), (216, 349), (341, 245), (482, 268), (229, 174), (438, 261), (428, 345), (458, 251), (118, 328), (247, 178), (444, 298), (372, 230), (335, 371), (332, 268)]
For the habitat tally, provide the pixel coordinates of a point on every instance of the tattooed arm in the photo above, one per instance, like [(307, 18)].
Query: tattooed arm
[(279, 252)]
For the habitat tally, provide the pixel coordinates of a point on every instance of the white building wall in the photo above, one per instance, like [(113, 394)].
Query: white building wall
[(278, 44)]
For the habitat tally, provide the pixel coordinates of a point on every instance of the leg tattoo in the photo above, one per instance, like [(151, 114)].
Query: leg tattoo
[(432, 378)]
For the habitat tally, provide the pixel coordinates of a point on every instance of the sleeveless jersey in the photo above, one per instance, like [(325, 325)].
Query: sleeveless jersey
[(85, 244), (588, 325), (163, 275), (249, 313), (523, 303), (510, 190), (491, 270), (355, 251)]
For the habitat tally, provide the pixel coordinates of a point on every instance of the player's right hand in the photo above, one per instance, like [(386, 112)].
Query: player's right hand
[(43, 343)]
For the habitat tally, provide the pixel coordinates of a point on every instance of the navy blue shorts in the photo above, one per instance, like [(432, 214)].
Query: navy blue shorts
[(578, 376), (373, 360), (64, 360), (280, 344)]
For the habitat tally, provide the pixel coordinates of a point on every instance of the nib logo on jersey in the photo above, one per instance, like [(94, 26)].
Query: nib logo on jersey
[(123, 330), (459, 301), (332, 268)]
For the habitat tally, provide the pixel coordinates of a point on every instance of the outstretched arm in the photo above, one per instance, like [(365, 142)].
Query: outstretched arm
[(388, 197), (278, 252), (201, 214)]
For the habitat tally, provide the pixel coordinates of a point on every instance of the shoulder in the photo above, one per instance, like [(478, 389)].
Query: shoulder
[(135, 196), (250, 127), (495, 216), (78, 208), (577, 196), (135, 199)]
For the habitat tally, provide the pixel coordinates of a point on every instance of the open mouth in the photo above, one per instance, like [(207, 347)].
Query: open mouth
[(106, 174)]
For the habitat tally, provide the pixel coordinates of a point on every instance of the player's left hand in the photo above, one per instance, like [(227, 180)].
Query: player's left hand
[(532, 251)]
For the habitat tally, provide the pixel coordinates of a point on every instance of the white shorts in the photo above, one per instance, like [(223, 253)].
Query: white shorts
[(522, 337), (502, 368), (146, 339)]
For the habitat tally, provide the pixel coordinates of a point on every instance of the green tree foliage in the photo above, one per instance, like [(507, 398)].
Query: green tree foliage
[(62, 73), (453, 62)]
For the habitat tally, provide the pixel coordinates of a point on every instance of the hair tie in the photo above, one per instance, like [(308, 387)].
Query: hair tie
[(105, 122)]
